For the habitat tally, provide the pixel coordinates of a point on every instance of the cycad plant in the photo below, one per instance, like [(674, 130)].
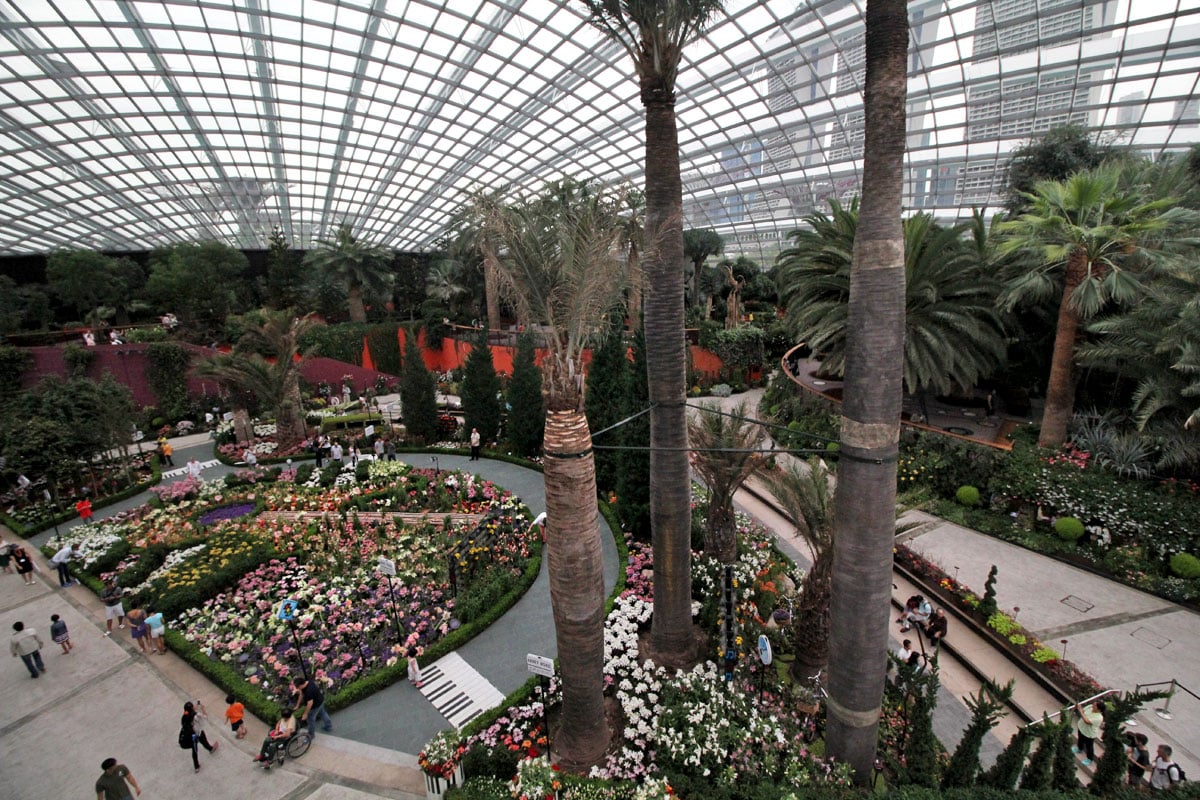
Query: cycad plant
[(726, 454)]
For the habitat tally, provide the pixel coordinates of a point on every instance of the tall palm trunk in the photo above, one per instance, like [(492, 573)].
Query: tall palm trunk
[(666, 362), (636, 277), (289, 417), (491, 285), (354, 300), (865, 503), (576, 587), (1060, 387)]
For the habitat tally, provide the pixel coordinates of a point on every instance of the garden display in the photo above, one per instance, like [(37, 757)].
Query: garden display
[(218, 558)]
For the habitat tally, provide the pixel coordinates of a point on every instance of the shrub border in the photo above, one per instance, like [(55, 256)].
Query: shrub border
[(69, 514)]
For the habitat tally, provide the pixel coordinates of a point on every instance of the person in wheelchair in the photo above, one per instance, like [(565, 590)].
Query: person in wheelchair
[(277, 738)]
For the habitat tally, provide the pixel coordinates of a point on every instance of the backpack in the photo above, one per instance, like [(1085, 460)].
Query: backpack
[(1179, 776), (185, 739)]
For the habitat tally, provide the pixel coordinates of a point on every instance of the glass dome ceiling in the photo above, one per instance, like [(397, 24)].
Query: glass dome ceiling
[(129, 124)]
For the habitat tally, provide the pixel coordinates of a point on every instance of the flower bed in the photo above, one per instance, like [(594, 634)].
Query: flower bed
[(218, 573)]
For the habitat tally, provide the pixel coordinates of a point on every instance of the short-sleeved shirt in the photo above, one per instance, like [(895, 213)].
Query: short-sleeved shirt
[(113, 784), (111, 595), (235, 712), (311, 692)]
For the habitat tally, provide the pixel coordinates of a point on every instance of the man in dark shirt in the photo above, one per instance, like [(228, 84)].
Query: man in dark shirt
[(111, 785), (310, 706)]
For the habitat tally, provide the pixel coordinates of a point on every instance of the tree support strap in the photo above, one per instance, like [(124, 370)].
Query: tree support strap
[(565, 456)]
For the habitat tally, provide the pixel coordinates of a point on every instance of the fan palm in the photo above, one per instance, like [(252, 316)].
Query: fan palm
[(1086, 239), (806, 494), (364, 268), (952, 331), (561, 270), (653, 33), (275, 379), (725, 448)]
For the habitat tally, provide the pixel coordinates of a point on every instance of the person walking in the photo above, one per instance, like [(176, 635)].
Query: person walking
[(1087, 728), (111, 785), (138, 626), (191, 732), (391, 449), (193, 469), (235, 714), (111, 597), (84, 509), (335, 452), (167, 452), (25, 565), (310, 706), (475, 442), (62, 560), (26, 644), (379, 449), (156, 626), (1139, 759), (60, 634), (6, 549)]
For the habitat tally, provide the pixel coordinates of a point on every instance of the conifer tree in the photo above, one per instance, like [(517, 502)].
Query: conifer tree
[(606, 401), (987, 707), (418, 393), (1110, 767), (526, 408), (1004, 773), (1038, 772), (921, 747), (481, 391), (633, 480), (987, 606), (1062, 772)]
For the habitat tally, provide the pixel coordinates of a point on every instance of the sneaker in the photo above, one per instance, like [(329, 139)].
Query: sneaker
[(122, 626), (108, 633), (1087, 762), (215, 746), (1074, 749)]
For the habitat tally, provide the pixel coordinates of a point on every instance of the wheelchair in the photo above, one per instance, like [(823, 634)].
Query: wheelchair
[(294, 746)]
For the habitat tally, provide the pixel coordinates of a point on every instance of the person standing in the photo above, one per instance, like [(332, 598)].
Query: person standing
[(138, 626), (1087, 728), (1139, 759), (194, 468), (28, 645), (156, 626), (335, 452), (84, 509), (391, 450), (167, 452), (475, 441), (1165, 772), (25, 565), (250, 458), (379, 448), (5, 555), (310, 706), (111, 597), (60, 634), (61, 561), (111, 785)]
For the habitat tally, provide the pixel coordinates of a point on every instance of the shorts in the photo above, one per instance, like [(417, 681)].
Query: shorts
[(236, 724), (139, 631), (113, 612), (156, 633)]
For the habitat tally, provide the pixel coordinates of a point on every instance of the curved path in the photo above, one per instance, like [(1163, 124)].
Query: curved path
[(106, 684)]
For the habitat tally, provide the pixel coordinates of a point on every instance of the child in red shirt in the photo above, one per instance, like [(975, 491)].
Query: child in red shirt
[(235, 713)]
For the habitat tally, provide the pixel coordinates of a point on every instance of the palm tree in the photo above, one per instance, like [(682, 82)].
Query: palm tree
[(477, 231), (632, 231), (443, 283), (806, 494), (561, 270), (953, 333), (1086, 238), (274, 379), (654, 33), (364, 268), (726, 455), (864, 515), (698, 245)]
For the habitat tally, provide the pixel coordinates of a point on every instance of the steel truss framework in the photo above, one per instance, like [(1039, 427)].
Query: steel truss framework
[(129, 124)]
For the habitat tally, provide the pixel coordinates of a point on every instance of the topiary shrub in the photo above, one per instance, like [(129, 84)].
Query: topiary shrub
[(967, 496), (1185, 565), (1068, 529)]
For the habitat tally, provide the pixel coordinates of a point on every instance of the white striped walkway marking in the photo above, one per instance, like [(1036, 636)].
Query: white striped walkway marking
[(179, 472), (457, 690)]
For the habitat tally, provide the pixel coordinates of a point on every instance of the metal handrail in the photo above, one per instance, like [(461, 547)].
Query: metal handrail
[(1165, 711), (1105, 693)]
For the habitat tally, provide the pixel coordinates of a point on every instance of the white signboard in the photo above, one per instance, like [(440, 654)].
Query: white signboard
[(387, 567), (227, 416), (369, 430), (540, 665)]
